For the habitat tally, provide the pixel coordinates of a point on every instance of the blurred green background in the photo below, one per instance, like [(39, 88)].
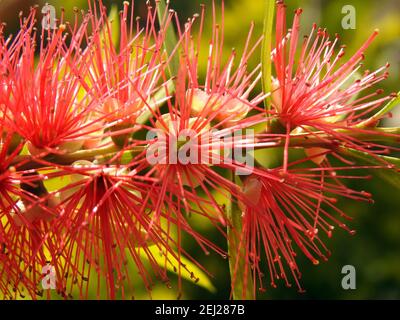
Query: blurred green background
[(375, 250)]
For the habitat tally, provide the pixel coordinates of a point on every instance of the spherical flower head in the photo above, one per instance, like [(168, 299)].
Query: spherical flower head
[(286, 213), (107, 223), (315, 92), (52, 114), (224, 95), (126, 74), (317, 89), (26, 209), (179, 134)]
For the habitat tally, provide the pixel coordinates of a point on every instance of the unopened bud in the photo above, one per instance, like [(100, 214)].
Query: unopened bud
[(226, 108), (251, 190)]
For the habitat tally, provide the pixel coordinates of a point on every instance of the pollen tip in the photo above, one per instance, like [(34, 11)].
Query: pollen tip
[(298, 11)]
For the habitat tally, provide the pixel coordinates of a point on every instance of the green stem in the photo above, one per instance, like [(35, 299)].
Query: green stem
[(379, 115), (241, 283), (266, 49), (322, 140), (32, 162)]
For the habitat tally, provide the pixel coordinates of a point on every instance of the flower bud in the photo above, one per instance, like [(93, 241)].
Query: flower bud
[(28, 214), (276, 94), (251, 190), (200, 100), (228, 108), (116, 110), (29, 210), (95, 135), (125, 116), (232, 109), (166, 124), (65, 147)]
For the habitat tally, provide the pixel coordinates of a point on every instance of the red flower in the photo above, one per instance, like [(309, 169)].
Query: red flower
[(45, 97), (25, 211), (314, 92), (106, 229), (286, 213), (196, 115), (225, 95), (126, 74)]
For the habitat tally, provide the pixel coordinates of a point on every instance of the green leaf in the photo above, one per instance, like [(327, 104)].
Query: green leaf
[(266, 49), (203, 279), (386, 109), (390, 175), (170, 40), (113, 18), (115, 25)]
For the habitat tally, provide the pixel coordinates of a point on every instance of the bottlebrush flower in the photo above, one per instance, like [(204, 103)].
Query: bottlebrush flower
[(314, 91), (25, 209), (184, 150), (198, 111), (225, 95), (127, 73), (284, 213), (45, 97), (106, 229)]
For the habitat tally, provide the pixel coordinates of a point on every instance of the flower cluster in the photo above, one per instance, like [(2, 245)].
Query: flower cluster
[(90, 113)]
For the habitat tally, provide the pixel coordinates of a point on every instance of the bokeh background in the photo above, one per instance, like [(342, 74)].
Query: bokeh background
[(375, 249)]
